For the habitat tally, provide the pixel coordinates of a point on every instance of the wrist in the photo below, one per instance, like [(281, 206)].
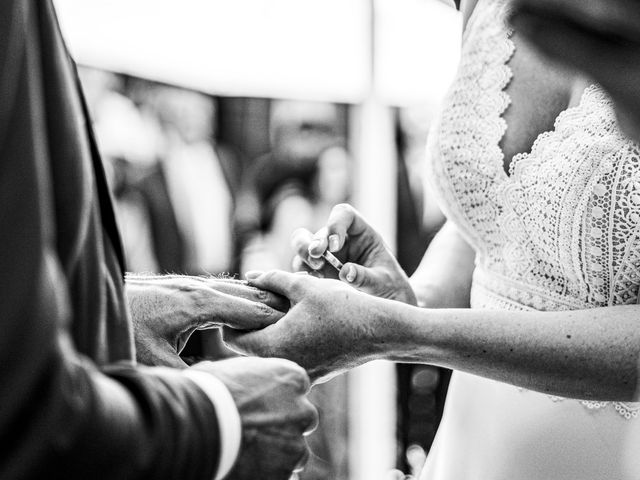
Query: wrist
[(390, 329), (405, 333)]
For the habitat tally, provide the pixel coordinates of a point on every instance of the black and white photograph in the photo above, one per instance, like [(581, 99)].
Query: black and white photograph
[(320, 240)]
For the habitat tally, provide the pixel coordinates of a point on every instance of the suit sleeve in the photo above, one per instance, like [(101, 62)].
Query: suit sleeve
[(61, 416)]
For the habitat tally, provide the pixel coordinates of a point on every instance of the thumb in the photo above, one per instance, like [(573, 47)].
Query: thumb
[(287, 284), (368, 280)]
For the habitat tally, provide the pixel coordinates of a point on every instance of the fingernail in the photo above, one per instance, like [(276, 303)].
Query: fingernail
[(351, 274), (316, 263), (253, 274), (314, 245), (334, 243)]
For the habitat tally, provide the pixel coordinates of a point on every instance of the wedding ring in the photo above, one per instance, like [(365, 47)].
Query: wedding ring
[(332, 260)]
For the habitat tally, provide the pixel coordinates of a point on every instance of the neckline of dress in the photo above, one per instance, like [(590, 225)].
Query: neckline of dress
[(521, 157)]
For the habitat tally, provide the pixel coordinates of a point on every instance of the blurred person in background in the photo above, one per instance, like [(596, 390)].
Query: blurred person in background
[(200, 176), (540, 189), (172, 181), (295, 184), (130, 145)]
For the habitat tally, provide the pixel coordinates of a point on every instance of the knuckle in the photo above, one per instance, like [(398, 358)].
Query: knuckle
[(311, 417), (201, 303), (314, 263), (304, 383), (273, 315), (188, 285), (261, 295), (300, 232), (320, 234), (269, 276), (343, 208), (296, 373), (298, 264), (198, 293), (283, 365), (300, 239), (264, 311)]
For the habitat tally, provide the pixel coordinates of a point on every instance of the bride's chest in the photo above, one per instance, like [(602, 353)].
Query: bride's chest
[(513, 124), (570, 205), (539, 91), (536, 89)]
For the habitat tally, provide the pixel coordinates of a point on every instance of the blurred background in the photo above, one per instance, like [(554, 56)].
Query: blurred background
[(227, 124)]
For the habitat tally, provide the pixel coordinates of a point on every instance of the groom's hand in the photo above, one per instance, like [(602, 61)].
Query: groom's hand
[(598, 37), (330, 327), (270, 395), (369, 265), (167, 309)]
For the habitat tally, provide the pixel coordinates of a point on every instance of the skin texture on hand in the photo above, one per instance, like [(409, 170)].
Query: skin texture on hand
[(586, 354), (166, 310), (369, 265), (275, 414), (330, 327), (598, 37)]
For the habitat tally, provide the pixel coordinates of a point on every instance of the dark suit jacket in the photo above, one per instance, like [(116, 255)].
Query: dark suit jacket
[(65, 410)]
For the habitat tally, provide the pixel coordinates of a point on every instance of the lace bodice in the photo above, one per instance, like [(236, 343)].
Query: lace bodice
[(562, 230)]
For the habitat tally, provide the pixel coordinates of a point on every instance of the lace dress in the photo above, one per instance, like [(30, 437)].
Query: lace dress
[(561, 232)]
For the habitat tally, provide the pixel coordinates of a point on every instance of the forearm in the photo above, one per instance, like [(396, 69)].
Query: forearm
[(588, 354), (443, 279)]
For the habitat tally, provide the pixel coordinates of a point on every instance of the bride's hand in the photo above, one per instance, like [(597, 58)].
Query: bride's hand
[(329, 328), (369, 265)]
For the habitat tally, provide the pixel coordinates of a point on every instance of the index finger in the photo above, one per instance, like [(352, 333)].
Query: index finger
[(345, 221), (242, 289), (216, 308), (320, 243), (300, 240), (340, 223)]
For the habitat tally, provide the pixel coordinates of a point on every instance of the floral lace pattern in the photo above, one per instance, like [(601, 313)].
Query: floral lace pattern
[(562, 231)]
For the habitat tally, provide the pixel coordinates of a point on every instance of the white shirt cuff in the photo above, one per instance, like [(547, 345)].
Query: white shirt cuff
[(228, 418)]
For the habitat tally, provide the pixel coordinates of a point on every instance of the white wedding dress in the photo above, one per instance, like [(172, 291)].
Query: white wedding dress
[(561, 232)]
